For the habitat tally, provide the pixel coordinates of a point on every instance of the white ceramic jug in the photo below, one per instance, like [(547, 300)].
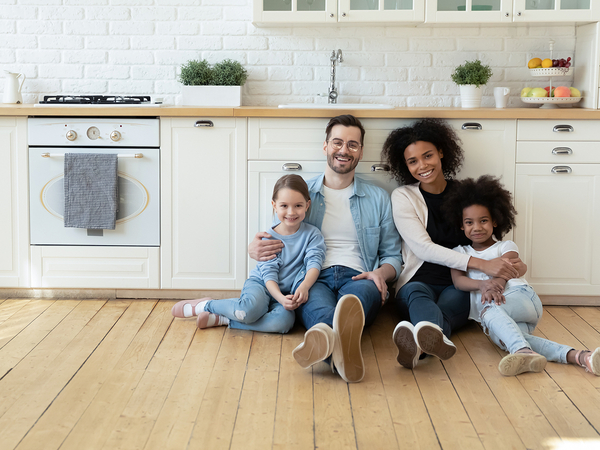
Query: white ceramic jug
[(12, 88)]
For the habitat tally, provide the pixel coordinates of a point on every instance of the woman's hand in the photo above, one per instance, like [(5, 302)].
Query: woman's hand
[(264, 250)]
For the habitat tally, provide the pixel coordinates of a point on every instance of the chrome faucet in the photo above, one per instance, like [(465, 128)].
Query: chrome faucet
[(336, 57)]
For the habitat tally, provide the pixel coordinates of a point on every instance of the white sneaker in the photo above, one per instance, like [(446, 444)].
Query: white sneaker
[(408, 348), (521, 362), (348, 324), (432, 341), (318, 345)]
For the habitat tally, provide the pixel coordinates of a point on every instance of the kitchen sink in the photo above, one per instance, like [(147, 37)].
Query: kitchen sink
[(335, 106)]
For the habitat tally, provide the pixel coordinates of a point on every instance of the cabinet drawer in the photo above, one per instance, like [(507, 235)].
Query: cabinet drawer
[(557, 130), (567, 152)]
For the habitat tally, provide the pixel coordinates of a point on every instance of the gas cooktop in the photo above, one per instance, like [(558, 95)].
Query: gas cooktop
[(96, 100)]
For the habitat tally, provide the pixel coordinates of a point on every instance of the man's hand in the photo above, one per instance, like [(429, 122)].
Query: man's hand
[(264, 250), (378, 279)]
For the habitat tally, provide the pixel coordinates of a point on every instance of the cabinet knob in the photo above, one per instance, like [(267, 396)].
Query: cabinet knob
[(291, 167), (331, 15), (204, 123), (561, 169), (506, 14), (562, 151), (380, 168), (519, 14), (343, 14), (471, 126), (563, 129)]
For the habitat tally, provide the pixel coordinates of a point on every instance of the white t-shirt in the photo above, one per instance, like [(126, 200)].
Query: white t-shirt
[(495, 251), (339, 231)]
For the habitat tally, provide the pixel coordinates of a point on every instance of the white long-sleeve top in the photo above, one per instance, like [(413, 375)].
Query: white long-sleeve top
[(410, 216)]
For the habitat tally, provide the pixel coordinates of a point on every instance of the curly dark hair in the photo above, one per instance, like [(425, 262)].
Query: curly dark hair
[(485, 191), (435, 131)]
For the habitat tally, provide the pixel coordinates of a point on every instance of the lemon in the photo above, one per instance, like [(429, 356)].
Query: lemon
[(547, 63), (534, 62)]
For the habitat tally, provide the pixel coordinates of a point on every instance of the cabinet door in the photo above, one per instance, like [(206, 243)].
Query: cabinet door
[(203, 179), (556, 10), (14, 221), (294, 11), (557, 227), (262, 176), (468, 11), (382, 10)]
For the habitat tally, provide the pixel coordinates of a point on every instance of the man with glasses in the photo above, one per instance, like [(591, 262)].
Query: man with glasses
[(363, 254)]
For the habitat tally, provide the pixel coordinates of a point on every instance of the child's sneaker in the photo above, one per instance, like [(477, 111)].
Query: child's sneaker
[(589, 360), (524, 360), (208, 320)]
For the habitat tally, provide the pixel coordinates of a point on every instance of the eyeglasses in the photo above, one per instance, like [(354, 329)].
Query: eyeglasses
[(338, 144)]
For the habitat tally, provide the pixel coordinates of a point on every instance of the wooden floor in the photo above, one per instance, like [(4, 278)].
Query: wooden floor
[(126, 375)]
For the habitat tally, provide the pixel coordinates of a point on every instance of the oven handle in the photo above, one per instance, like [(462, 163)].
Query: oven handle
[(61, 155)]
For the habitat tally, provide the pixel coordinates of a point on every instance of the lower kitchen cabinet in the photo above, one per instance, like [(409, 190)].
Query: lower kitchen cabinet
[(14, 220), (203, 207)]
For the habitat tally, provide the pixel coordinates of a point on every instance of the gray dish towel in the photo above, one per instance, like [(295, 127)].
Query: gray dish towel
[(91, 193)]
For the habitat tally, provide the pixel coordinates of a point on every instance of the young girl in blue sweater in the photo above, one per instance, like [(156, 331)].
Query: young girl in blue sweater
[(509, 313), (275, 287)]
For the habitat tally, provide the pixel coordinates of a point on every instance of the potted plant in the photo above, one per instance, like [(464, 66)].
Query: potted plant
[(469, 77), (217, 85)]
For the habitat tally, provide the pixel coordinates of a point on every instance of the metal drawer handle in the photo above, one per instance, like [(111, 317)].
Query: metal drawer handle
[(562, 151), (204, 123), (62, 155), (471, 126), (561, 169), (380, 168), (291, 166), (563, 129)]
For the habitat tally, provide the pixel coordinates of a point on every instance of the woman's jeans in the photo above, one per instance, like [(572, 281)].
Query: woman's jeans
[(255, 310), (510, 325), (333, 283), (442, 305)]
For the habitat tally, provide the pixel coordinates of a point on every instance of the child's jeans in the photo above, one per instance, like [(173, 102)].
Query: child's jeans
[(255, 310), (510, 325)]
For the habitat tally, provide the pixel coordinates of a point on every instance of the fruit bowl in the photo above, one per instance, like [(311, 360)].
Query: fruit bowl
[(551, 102), (550, 72)]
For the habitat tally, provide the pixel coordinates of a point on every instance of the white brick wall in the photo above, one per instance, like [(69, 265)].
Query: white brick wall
[(137, 46)]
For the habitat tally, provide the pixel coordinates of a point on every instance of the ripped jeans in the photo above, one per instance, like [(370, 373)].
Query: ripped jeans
[(510, 325), (255, 310)]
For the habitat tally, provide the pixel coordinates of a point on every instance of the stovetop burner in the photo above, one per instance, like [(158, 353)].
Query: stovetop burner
[(96, 99)]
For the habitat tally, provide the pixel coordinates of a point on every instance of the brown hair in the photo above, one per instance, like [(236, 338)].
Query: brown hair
[(348, 121), (293, 182)]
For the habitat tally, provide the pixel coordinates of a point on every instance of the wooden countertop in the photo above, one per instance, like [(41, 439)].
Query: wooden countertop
[(273, 111)]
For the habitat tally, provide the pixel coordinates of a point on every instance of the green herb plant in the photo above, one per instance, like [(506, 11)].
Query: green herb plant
[(225, 73), (472, 72)]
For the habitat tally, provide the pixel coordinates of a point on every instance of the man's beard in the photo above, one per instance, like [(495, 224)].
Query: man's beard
[(341, 170)]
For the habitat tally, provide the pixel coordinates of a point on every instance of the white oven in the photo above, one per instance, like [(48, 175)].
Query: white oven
[(134, 140)]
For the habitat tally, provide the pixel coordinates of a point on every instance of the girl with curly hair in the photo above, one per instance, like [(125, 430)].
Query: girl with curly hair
[(483, 209), (425, 157)]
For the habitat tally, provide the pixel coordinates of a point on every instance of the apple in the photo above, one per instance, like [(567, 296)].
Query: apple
[(538, 92), (562, 91), (550, 92), (575, 92), (525, 91)]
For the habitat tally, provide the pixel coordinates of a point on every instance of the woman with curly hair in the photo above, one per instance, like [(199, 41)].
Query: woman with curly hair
[(483, 209), (425, 157)]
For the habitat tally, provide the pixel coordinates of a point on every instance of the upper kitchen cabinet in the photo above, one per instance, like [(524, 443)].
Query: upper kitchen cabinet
[(508, 11), (14, 238), (274, 12), (203, 208)]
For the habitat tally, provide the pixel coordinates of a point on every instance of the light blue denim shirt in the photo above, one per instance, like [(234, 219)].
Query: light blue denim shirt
[(371, 210)]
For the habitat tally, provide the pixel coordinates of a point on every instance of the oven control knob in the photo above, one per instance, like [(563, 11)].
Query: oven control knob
[(115, 136), (71, 135)]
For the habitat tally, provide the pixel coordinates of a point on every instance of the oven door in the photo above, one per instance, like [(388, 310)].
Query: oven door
[(138, 218)]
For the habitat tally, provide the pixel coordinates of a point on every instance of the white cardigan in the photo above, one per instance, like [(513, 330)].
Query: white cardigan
[(410, 217)]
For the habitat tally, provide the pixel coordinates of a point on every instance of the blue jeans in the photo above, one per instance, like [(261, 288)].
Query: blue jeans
[(333, 283), (445, 306), (510, 325), (255, 310)]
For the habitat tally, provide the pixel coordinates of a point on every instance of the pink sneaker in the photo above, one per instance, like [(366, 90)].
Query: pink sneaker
[(209, 320), (178, 308), (591, 360)]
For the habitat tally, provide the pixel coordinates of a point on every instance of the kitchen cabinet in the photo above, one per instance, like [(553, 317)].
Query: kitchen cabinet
[(14, 236), (203, 207), (282, 12), (558, 200), (280, 146)]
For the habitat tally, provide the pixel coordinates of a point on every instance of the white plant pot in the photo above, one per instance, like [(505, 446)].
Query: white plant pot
[(470, 96), (211, 95)]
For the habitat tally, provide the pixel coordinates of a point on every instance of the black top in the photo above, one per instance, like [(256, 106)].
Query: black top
[(441, 233)]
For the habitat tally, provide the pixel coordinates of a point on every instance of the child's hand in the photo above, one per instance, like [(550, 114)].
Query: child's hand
[(301, 295), (492, 297), (288, 302), (491, 285)]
